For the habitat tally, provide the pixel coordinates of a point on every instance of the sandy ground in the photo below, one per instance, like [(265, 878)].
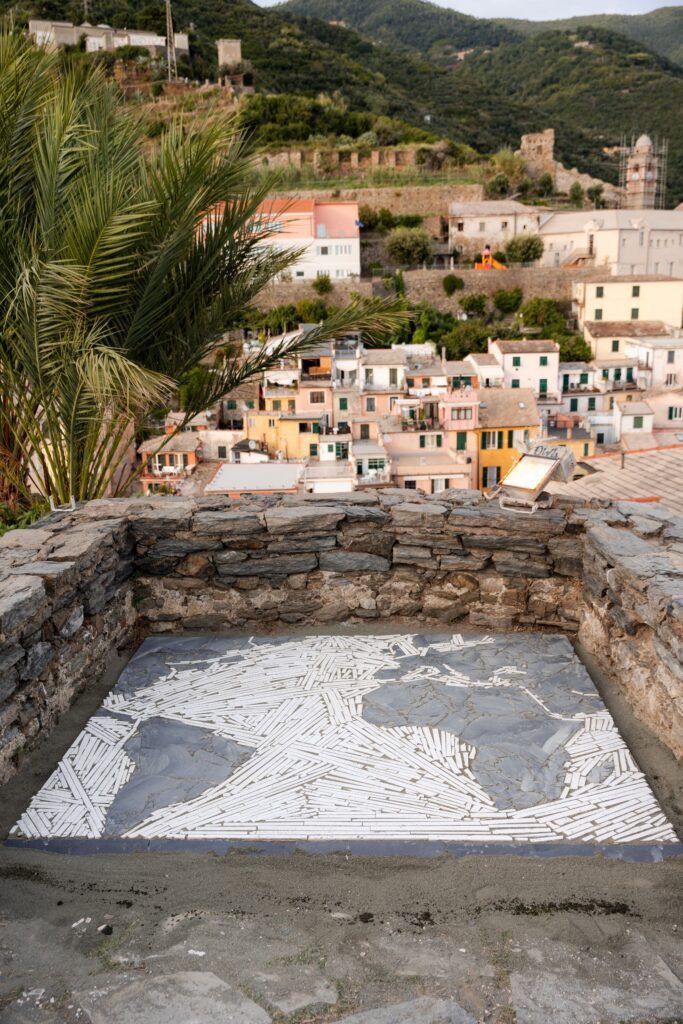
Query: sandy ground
[(302, 939)]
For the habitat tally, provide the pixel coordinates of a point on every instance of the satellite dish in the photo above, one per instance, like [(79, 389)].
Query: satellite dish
[(252, 445)]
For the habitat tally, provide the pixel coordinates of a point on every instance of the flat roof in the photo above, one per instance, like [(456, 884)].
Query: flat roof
[(256, 476)]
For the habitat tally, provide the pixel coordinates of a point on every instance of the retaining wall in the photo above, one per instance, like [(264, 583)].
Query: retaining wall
[(80, 584)]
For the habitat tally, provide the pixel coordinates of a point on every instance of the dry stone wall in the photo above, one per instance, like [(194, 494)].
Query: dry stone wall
[(80, 584)]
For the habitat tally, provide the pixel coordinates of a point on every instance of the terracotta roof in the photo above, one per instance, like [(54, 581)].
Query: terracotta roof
[(507, 407), (186, 441), (646, 474), (626, 328), (520, 346)]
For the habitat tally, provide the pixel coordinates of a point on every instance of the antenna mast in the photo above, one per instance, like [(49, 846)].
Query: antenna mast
[(170, 45)]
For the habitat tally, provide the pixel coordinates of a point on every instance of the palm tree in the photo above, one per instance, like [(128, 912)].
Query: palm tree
[(115, 285)]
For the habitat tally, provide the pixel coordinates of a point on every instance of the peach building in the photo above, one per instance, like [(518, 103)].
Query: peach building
[(328, 232)]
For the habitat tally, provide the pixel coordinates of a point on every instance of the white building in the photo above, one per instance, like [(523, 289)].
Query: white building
[(660, 360), (580, 393), (649, 297), (625, 241), (529, 363), (471, 226), (55, 34), (487, 368), (634, 423), (383, 369)]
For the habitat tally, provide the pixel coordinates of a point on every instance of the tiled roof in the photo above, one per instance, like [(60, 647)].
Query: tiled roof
[(521, 346), (649, 473), (383, 357), (507, 407), (626, 328), (186, 441)]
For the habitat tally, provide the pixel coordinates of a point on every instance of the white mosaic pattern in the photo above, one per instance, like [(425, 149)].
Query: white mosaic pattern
[(318, 770)]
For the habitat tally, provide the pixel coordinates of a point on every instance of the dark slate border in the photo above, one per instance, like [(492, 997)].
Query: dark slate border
[(638, 852)]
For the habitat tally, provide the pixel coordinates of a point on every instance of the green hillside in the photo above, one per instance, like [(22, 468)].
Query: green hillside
[(660, 30), (408, 24)]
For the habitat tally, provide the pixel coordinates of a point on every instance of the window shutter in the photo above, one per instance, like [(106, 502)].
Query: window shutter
[(671, 412), (439, 440), (462, 440), (484, 440), (500, 438), (423, 441), (510, 440)]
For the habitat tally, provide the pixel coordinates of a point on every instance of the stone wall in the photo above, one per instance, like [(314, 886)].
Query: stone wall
[(80, 584), (427, 200), (426, 285)]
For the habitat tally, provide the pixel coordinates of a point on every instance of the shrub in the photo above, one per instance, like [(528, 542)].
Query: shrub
[(322, 284), (594, 194), (507, 300), (544, 314), (408, 247), (474, 304), (545, 186), (399, 283), (576, 195), (451, 283), (499, 185), (156, 89), (410, 220), (524, 249)]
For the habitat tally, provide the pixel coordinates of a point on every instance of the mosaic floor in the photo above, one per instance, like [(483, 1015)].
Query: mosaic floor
[(410, 737)]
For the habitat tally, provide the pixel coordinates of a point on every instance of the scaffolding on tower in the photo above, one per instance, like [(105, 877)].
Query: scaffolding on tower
[(171, 65), (656, 165)]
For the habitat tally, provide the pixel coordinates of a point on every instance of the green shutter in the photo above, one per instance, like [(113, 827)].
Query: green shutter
[(313, 449), (343, 403), (565, 382), (500, 438), (510, 440), (629, 373), (573, 405), (583, 379), (461, 440), (484, 440), (423, 441), (316, 428), (439, 440), (671, 412)]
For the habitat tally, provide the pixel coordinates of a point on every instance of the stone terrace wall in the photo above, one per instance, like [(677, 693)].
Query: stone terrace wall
[(64, 605), (80, 584)]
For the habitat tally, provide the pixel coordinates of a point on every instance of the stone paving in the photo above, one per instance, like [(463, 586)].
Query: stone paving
[(487, 739)]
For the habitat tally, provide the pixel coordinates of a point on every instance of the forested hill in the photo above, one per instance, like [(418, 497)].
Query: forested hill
[(590, 93), (660, 30)]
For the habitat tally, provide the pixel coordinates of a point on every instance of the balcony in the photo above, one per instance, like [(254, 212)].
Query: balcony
[(374, 476)]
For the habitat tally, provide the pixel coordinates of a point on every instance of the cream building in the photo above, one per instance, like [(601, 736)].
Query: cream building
[(630, 297), (625, 241), (471, 226)]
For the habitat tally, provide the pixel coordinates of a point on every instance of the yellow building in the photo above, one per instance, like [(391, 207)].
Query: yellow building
[(289, 435), (507, 419)]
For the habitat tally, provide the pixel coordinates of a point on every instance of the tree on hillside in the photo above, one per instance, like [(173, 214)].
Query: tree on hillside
[(409, 247), (507, 300), (594, 194), (546, 315), (451, 283), (116, 286), (474, 303), (524, 249), (576, 195), (499, 185)]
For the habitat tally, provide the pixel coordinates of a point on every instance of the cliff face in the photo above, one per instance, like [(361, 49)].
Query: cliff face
[(79, 585)]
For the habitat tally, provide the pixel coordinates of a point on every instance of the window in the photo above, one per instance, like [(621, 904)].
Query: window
[(573, 405), (634, 314), (410, 485), (370, 405), (461, 414), (637, 422), (503, 225), (515, 382), (277, 405), (365, 431), (375, 463), (231, 403), (598, 314), (482, 227), (635, 291), (491, 439), (615, 344), (670, 357), (543, 386), (675, 412), (591, 405), (585, 449), (271, 423), (516, 361), (313, 450), (629, 373), (393, 376), (410, 382), (249, 403), (369, 375), (583, 378), (291, 405), (431, 440), (343, 427), (599, 292), (671, 378), (317, 397), (222, 451), (599, 438), (343, 404), (544, 360), (461, 440), (461, 225), (425, 382), (323, 250)]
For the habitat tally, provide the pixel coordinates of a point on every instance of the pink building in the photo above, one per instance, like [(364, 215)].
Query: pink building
[(328, 232)]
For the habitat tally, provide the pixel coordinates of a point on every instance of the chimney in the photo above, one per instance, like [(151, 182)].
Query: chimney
[(443, 354), (623, 460)]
